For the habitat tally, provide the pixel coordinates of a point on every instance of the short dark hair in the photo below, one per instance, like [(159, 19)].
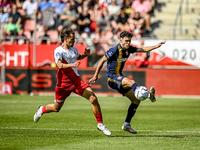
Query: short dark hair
[(66, 32), (126, 34)]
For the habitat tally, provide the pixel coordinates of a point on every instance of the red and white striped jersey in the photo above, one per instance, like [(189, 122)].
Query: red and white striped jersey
[(68, 56)]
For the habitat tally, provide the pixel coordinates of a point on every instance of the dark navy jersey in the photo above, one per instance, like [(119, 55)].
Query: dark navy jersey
[(117, 57)]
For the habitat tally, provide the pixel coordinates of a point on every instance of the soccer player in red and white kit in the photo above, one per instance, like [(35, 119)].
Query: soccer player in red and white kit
[(68, 79)]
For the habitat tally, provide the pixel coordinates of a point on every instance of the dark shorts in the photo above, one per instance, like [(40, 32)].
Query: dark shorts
[(115, 82)]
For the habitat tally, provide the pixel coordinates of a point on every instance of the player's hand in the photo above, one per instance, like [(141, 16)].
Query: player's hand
[(159, 44), (76, 64), (93, 79), (87, 51)]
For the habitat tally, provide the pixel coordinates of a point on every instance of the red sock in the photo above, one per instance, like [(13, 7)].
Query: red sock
[(99, 117), (44, 110)]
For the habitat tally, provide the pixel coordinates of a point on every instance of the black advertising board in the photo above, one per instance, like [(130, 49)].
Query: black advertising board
[(44, 79)]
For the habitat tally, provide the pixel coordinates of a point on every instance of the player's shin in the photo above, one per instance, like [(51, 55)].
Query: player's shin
[(131, 112)]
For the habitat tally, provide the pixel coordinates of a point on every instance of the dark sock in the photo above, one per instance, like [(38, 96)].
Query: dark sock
[(134, 86), (131, 112)]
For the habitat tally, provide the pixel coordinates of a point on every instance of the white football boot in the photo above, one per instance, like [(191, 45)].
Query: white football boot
[(38, 114), (102, 127), (129, 129), (152, 94)]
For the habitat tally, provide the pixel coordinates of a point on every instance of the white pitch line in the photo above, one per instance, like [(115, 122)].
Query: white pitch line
[(51, 129)]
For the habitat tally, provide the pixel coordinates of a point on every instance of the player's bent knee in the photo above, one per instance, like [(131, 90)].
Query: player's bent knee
[(93, 99), (127, 82)]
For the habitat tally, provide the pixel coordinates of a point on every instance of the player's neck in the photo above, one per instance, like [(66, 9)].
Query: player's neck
[(65, 46)]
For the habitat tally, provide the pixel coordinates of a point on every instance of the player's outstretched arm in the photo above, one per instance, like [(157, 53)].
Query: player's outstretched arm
[(101, 62), (150, 48)]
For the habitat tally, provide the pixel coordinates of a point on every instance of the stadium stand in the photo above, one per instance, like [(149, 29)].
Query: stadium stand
[(177, 19)]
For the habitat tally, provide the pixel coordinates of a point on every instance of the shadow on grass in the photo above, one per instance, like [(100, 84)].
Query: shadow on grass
[(165, 136)]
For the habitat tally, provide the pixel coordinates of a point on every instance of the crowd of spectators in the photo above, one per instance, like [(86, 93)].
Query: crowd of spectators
[(98, 20)]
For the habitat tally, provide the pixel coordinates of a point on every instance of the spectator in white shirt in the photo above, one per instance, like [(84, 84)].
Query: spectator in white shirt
[(30, 8)]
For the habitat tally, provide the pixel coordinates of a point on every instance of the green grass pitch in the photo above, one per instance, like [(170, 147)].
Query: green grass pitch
[(167, 124)]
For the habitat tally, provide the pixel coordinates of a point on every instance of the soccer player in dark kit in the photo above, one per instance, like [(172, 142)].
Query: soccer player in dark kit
[(116, 58)]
